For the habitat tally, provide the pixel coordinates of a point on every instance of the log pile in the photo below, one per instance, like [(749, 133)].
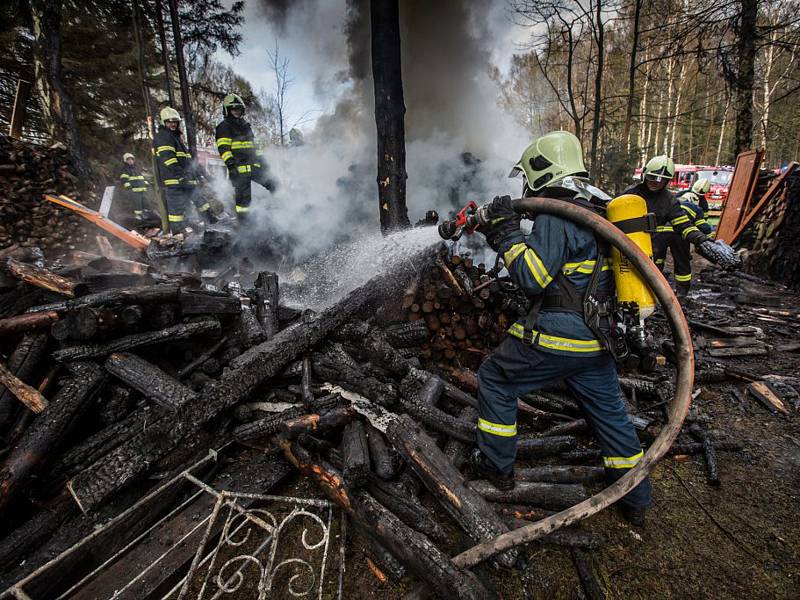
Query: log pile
[(132, 375), (465, 309), (26, 172)]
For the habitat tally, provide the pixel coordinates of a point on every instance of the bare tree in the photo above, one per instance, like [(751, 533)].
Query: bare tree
[(280, 68)]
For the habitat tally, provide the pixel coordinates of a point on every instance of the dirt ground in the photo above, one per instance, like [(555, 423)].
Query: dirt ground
[(741, 540)]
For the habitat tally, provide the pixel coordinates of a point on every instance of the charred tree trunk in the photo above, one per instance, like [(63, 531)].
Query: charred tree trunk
[(46, 18), (389, 114), (162, 36), (747, 35), (149, 380), (177, 38)]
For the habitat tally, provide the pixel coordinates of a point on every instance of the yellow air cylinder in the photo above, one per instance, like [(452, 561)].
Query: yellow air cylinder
[(628, 212)]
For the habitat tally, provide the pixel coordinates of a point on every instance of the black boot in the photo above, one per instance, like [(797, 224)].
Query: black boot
[(485, 469), (634, 514)]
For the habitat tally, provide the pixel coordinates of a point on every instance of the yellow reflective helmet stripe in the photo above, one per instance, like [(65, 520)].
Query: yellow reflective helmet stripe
[(497, 428), (622, 462), (513, 252), (683, 277)]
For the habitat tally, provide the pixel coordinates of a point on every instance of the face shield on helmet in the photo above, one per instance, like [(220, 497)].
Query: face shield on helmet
[(231, 102), (659, 169)]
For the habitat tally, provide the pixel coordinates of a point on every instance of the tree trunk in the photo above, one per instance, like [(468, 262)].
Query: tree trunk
[(46, 18), (162, 36), (745, 76), (632, 66), (677, 109), (188, 117), (598, 86), (722, 130), (389, 115)]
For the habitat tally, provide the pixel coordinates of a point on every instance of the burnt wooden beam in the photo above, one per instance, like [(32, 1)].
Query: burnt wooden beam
[(473, 514), (27, 395), (712, 467), (420, 402), (43, 437), (41, 277), (560, 474), (457, 451), (267, 302), (148, 294), (207, 326), (528, 447), (202, 302), (29, 322), (23, 362), (355, 455), (275, 423), (408, 509), (383, 463), (553, 496), (149, 380)]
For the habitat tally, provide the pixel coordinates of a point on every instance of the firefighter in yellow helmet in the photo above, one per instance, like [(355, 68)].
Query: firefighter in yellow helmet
[(559, 265), (670, 217), (177, 170), (134, 188), (238, 150)]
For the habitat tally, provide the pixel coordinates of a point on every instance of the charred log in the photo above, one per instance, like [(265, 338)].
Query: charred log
[(149, 380)]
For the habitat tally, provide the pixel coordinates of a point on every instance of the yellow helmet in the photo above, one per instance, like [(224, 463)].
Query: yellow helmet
[(701, 186), (127, 155), (169, 114), (659, 168), (232, 101), (549, 159)]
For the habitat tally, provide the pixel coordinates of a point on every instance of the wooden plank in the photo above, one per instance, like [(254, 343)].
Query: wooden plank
[(764, 394), (743, 181), (20, 105), (30, 397), (746, 351), (768, 196)]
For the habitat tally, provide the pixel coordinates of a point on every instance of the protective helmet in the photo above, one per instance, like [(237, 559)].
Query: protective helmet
[(232, 101), (701, 186), (127, 155), (659, 168), (550, 159), (169, 114)]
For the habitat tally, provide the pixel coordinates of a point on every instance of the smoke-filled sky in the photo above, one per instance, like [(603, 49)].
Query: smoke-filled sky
[(328, 192)]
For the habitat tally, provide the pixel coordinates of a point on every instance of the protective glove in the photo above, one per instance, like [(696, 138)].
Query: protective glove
[(720, 253), (500, 221)]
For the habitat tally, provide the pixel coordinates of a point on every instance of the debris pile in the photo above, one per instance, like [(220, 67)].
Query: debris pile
[(26, 172)]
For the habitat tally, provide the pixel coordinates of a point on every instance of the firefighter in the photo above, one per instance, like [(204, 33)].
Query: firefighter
[(134, 186), (238, 150), (553, 265), (680, 248), (670, 217), (175, 168), (697, 193)]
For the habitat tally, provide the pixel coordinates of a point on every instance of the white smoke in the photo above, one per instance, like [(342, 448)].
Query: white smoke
[(328, 193)]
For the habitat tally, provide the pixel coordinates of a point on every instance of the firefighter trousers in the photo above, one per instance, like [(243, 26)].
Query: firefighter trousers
[(515, 369), (681, 257), (242, 192), (178, 197)]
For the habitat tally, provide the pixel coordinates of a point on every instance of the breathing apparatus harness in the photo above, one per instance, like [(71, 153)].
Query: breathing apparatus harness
[(616, 321)]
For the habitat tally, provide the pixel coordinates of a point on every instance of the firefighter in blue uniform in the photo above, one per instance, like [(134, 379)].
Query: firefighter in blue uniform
[(177, 170), (553, 265), (238, 150), (672, 219), (678, 244)]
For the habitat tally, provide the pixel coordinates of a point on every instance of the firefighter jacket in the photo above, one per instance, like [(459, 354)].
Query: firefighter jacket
[(175, 163), (555, 249), (236, 145), (696, 215), (668, 213), (132, 180)]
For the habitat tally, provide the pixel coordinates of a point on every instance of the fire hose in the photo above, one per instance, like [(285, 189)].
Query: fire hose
[(678, 409)]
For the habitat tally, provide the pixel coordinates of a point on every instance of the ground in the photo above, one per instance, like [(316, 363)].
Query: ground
[(741, 540)]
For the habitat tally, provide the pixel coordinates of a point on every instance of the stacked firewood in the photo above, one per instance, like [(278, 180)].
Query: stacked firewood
[(465, 308), (26, 173)]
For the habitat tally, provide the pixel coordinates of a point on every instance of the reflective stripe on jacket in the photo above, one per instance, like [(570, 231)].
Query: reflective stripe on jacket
[(237, 147), (173, 157)]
